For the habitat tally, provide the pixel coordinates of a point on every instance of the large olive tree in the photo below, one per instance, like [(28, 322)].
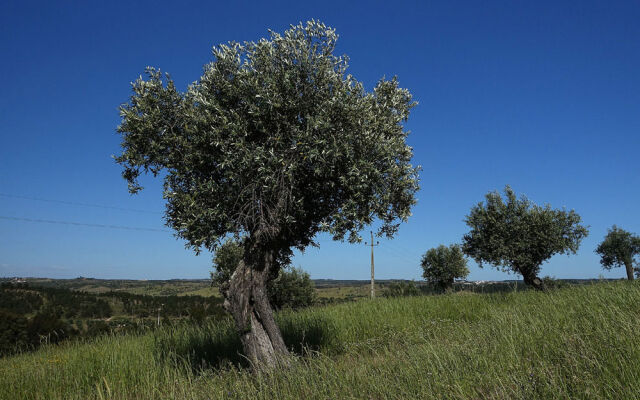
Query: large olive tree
[(619, 248), (518, 236), (273, 144)]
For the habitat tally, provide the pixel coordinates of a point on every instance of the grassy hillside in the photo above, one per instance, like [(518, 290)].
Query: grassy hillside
[(577, 342)]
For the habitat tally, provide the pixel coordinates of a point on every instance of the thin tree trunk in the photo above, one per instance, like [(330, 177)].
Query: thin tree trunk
[(629, 268), (247, 301)]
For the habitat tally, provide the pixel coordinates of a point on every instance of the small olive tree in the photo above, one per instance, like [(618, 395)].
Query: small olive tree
[(442, 265), (225, 260), (619, 248), (401, 289), (518, 236), (274, 143), (292, 288)]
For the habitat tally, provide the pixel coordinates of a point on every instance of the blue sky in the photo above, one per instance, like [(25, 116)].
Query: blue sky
[(544, 96)]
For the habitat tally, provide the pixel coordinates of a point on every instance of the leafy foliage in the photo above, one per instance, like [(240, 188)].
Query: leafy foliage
[(170, 306), (274, 142), (553, 283), (23, 299), (291, 288), (442, 265), (225, 261), (31, 315), (619, 248), (516, 235), (401, 289), (14, 332), (20, 300), (18, 332)]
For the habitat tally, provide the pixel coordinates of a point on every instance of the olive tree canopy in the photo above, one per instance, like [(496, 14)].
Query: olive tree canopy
[(619, 248), (274, 143), (443, 264), (518, 236)]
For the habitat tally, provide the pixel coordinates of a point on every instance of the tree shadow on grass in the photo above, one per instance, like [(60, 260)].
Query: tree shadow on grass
[(216, 344), (303, 334), (212, 344)]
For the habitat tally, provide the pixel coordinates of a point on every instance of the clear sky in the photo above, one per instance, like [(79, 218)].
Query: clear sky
[(544, 96)]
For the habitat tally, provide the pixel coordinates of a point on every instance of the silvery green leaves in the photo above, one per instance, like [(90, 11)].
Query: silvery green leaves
[(443, 264), (619, 248), (274, 142), (516, 235)]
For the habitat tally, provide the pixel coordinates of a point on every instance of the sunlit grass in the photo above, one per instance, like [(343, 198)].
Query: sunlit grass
[(578, 342)]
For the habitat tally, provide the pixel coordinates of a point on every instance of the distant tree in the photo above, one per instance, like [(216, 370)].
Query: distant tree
[(401, 289), (13, 332), (275, 142), (225, 261), (442, 265), (552, 283), (619, 248), (292, 288), (518, 236), (47, 326)]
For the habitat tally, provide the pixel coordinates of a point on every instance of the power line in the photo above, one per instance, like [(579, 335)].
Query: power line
[(47, 221), (73, 203), (398, 256), (401, 250), (399, 246)]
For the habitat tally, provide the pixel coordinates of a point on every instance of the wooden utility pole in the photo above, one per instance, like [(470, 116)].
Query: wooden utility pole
[(373, 287)]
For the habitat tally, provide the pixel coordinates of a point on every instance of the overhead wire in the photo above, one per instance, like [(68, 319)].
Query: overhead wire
[(397, 254), (394, 249), (47, 221), (74, 203)]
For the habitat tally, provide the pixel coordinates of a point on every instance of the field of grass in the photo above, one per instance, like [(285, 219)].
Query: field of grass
[(576, 342), (179, 287)]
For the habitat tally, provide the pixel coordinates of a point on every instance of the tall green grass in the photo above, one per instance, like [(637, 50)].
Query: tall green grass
[(578, 342)]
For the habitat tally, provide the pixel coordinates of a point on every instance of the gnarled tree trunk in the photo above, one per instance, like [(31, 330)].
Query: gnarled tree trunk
[(247, 301), (533, 280), (628, 265)]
